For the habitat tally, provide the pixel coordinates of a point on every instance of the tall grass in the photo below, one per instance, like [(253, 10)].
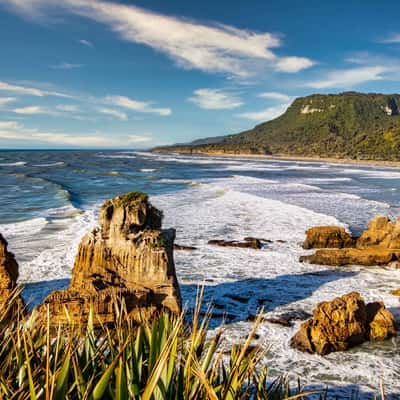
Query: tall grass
[(161, 359)]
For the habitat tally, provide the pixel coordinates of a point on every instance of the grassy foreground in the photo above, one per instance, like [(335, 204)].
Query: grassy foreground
[(164, 359)]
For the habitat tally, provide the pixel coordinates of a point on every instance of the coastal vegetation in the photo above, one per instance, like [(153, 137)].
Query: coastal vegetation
[(347, 125)]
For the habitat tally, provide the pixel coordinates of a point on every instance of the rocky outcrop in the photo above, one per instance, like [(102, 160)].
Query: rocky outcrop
[(344, 323), (247, 243), (127, 257), (8, 278), (324, 237), (340, 257), (381, 232), (379, 244)]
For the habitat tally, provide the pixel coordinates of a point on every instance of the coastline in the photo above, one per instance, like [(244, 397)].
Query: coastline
[(377, 163)]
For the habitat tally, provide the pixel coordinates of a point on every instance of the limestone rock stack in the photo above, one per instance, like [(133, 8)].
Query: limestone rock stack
[(344, 323), (127, 257), (8, 275), (379, 244)]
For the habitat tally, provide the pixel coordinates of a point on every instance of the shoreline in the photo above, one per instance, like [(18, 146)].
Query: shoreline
[(377, 163)]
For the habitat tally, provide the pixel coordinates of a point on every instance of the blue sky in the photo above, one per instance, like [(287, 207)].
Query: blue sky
[(134, 74)]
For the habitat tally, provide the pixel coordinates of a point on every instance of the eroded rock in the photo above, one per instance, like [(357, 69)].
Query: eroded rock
[(127, 257), (379, 244), (340, 257), (344, 323), (8, 278), (248, 243), (323, 237)]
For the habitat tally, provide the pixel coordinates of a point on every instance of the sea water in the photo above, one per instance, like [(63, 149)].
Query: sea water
[(50, 199)]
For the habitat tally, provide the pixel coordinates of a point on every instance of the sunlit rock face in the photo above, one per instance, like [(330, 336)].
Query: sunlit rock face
[(379, 244), (127, 257), (8, 280), (344, 323)]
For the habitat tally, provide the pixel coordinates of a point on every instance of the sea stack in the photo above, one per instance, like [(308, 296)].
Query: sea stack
[(8, 278), (127, 257)]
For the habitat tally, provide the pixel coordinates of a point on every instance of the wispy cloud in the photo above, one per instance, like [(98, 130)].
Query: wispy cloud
[(394, 38), (136, 105), (274, 96), (32, 110), (215, 99), (65, 65), (12, 130), (69, 108), (6, 100), (266, 114), (26, 90), (86, 43), (114, 113), (207, 47), (347, 78), (293, 64)]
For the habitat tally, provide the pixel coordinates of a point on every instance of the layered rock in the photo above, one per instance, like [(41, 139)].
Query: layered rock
[(379, 244), (8, 277), (344, 323), (381, 232), (127, 257), (324, 237), (340, 257)]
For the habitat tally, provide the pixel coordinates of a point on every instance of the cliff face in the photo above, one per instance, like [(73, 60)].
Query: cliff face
[(129, 256), (347, 125), (8, 275)]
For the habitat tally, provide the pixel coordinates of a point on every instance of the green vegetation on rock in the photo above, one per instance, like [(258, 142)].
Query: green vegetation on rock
[(347, 125)]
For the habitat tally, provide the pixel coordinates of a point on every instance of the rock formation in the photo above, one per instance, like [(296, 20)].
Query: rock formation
[(128, 257), (247, 243), (324, 237), (343, 323), (8, 276), (378, 245)]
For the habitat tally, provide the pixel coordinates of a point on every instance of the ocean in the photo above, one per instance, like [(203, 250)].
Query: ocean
[(50, 199)]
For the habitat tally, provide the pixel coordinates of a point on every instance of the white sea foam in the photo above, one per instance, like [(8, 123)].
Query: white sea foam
[(273, 278), (54, 164), (147, 170), (14, 164)]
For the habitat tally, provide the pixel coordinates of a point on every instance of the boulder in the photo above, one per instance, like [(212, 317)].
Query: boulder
[(378, 233), (127, 257), (340, 257), (380, 321), (8, 277), (323, 237), (248, 243), (343, 323)]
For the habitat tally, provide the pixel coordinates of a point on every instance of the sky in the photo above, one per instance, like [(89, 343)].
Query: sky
[(137, 74)]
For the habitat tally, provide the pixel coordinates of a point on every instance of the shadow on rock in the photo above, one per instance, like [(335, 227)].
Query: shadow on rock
[(35, 292), (240, 300)]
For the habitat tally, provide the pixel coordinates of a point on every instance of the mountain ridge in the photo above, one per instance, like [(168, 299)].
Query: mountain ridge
[(349, 125)]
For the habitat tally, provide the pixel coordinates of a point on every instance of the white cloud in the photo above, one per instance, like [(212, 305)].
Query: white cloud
[(30, 91), (274, 96), (114, 113), (265, 115), (135, 105), (6, 100), (65, 65), (395, 38), (293, 64), (32, 110), (347, 78), (86, 43), (215, 99), (212, 47), (11, 130)]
